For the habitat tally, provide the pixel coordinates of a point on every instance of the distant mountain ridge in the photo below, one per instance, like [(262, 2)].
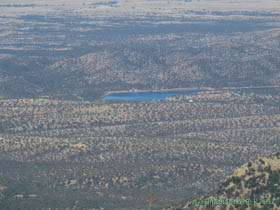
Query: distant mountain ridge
[(255, 185)]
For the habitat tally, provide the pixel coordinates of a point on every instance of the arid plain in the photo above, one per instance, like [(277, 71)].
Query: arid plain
[(63, 146)]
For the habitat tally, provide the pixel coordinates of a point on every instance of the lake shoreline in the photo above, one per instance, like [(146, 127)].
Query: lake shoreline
[(150, 95), (159, 91)]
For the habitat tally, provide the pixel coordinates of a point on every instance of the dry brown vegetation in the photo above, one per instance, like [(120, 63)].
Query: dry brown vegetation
[(62, 146), (173, 148), (254, 185), (73, 58)]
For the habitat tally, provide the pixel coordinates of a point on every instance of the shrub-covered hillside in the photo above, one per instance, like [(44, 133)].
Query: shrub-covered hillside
[(255, 185)]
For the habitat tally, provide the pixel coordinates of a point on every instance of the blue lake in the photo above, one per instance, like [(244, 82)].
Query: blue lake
[(148, 96)]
